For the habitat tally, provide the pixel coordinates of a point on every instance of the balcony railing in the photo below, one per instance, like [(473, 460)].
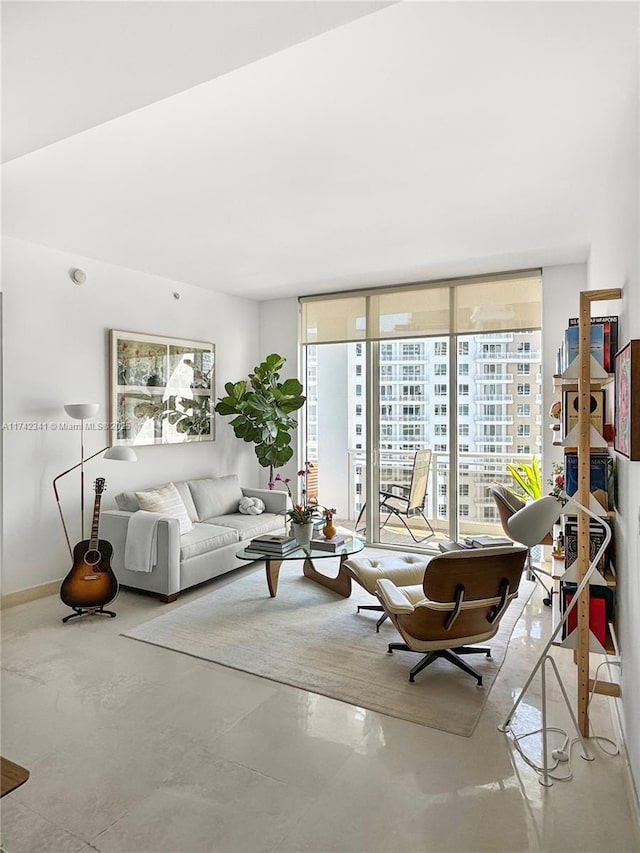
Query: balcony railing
[(494, 398), (476, 472), (494, 377), (494, 419), (510, 355), (506, 440)]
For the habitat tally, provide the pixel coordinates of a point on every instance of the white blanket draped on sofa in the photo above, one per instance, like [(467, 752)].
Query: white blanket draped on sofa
[(141, 546)]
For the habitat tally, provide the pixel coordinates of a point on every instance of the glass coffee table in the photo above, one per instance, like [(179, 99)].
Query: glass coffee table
[(341, 583)]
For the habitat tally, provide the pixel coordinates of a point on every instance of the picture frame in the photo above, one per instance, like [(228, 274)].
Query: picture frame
[(161, 389), (627, 404)]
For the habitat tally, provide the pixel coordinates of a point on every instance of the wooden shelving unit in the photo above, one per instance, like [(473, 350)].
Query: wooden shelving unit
[(582, 496)]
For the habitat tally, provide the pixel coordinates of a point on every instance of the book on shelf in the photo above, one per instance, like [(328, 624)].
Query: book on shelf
[(600, 476), (334, 544), (487, 541), (610, 338), (571, 404), (572, 344), (596, 538)]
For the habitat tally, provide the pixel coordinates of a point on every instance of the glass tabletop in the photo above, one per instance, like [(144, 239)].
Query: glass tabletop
[(352, 547)]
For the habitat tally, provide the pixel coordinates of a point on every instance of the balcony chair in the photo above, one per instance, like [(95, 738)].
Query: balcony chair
[(404, 502), (508, 504), (463, 597)]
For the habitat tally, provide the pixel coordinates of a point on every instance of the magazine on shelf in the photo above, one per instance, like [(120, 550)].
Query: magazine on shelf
[(333, 544), (600, 476), (610, 338)]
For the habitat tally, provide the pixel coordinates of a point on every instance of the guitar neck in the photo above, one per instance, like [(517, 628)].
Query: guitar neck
[(95, 524)]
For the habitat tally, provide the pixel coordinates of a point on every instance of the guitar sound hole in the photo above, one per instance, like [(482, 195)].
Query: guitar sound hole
[(91, 558)]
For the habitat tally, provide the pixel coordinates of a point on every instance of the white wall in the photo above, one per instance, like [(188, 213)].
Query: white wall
[(614, 262), (56, 352), (279, 324), (561, 288)]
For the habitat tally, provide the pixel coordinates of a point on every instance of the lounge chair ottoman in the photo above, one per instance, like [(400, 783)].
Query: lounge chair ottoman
[(406, 570)]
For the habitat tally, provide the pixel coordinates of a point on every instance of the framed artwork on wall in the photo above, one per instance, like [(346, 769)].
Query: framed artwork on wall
[(162, 389), (627, 402)]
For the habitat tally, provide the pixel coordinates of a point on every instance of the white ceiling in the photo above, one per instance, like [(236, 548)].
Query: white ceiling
[(291, 148)]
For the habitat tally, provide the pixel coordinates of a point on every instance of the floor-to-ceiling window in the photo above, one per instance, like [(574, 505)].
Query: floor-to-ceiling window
[(450, 367)]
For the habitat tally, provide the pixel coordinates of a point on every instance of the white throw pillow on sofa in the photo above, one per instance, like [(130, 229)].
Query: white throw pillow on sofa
[(166, 500), (251, 506)]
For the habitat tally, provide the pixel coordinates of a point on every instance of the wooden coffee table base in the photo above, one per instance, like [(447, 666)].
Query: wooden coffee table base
[(340, 584)]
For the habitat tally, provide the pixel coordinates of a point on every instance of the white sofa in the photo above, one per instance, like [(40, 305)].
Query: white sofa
[(207, 551)]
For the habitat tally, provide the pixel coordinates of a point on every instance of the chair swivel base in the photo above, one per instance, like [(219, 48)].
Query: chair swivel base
[(89, 611), (377, 607), (451, 655)]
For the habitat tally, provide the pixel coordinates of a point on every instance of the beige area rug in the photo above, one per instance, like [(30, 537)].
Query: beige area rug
[(312, 638)]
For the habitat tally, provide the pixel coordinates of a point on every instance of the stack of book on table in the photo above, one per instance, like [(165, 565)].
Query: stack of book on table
[(487, 541), (274, 544), (321, 543)]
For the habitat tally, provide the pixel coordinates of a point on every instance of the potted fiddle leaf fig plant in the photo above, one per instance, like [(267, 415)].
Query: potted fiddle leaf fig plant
[(263, 407)]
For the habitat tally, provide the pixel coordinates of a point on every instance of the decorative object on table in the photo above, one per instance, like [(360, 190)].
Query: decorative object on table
[(303, 531), (91, 583), (251, 506), (627, 404), (329, 530), (262, 406), (527, 526), (161, 389), (82, 412)]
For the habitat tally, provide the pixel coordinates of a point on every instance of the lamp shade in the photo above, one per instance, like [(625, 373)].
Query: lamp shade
[(121, 454), (82, 411), (532, 523)]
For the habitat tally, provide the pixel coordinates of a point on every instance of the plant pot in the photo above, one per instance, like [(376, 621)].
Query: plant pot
[(303, 533)]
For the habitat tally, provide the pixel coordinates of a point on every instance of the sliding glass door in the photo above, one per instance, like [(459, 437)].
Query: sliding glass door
[(418, 398)]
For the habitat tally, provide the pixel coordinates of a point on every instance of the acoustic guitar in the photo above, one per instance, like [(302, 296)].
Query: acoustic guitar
[(91, 583)]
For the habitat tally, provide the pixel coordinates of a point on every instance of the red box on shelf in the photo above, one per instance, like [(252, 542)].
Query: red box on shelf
[(597, 614)]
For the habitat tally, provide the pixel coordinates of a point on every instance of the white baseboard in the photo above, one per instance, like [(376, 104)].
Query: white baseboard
[(30, 594)]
